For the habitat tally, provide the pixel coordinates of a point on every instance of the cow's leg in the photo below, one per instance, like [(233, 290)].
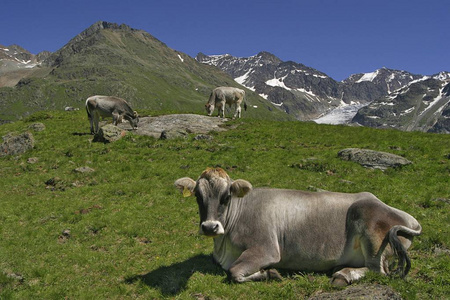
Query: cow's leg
[(91, 122), (346, 276), (116, 118), (237, 112), (252, 264), (221, 111), (96, 121)]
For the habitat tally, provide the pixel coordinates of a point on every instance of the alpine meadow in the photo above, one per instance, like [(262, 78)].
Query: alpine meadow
[(82, 219)]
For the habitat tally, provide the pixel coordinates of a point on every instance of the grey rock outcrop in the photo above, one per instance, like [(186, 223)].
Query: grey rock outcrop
[(373, 159), (109, 133), (16, 144), (176, 125), (37, 127)]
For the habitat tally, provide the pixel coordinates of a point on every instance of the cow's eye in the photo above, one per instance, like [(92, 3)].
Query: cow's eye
[(225, 199)]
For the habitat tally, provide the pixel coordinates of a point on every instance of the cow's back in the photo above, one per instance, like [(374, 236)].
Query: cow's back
[(105, 105), (309, 228)]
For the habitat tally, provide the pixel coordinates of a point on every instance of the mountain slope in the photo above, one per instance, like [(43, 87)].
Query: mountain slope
[(303, 91), (309, 94), (422, 105), (114, 59), (17, 63), (297, 89)]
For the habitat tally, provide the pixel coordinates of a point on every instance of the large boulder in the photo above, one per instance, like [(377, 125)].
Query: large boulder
[(373, 159), (176, 125), (109, 133), (16, 144)]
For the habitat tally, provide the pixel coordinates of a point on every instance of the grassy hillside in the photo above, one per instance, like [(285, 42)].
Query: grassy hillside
[(124, 62), (123, 231)]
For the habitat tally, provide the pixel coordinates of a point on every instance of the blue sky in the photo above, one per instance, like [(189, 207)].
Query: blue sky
[(337, 37)]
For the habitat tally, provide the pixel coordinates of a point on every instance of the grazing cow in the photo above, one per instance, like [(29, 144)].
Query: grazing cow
[(109, 106), (255, 230), (225, 95)]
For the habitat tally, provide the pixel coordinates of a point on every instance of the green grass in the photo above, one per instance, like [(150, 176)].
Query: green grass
[(132, 235)]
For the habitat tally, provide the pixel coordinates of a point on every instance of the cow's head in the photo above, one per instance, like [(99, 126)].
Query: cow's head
[(214, 189), (134, 120), (209, 108)]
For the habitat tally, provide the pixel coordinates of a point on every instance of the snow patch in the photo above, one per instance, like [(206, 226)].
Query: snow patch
[(307, 92), (368, 77), (277, 104), (278, 82), (435, 100), (179, 56), (405, 112), (340, 115), (243, 78)]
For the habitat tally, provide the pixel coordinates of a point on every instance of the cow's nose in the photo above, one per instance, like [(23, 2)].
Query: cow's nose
[(212, 228)]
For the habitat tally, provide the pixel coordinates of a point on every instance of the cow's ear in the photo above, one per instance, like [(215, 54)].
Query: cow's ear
[(240, 188), (186, 186)]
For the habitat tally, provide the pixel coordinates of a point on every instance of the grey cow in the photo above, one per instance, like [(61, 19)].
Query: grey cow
[(109, 106), (255, 230), (223, 95)]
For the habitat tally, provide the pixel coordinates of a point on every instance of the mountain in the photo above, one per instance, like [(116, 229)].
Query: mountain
[(303, 91), (421, 105), (16, 63), (376, 99), (387, 79), (297, 89), (118, 60)]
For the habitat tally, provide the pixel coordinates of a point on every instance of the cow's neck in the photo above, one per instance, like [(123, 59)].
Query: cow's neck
[(225, 253), (232, 214)]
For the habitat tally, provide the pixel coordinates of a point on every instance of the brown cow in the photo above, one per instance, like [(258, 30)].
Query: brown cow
[(255, 230)]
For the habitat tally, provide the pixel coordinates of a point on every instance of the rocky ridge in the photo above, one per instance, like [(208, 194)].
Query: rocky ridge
[(421, 105), (17, 63), (309, 94)]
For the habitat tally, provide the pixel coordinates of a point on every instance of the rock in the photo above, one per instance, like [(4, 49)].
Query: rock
[(16, 144), (109, 133), (37, 127), (32, 160), (373, 159), (84, 170), (70, 108), (361, 292), (66, 233), (203, 137), (177, 125), (55, 183), (172, 134)]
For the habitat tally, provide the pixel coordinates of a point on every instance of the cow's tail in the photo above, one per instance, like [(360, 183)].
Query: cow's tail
[(88, 112), (404, 263), (245, 101)]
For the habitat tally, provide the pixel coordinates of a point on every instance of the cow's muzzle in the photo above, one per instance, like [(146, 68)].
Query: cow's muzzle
[(211, 228)]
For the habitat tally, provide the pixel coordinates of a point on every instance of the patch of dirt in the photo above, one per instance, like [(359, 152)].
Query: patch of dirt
[(360, 292)]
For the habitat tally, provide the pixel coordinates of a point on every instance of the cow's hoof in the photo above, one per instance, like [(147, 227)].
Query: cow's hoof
[(273, 274), (339, 281)]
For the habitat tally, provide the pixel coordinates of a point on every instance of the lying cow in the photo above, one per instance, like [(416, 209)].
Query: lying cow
[(225, 95), (109, 106), (255, 230)]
